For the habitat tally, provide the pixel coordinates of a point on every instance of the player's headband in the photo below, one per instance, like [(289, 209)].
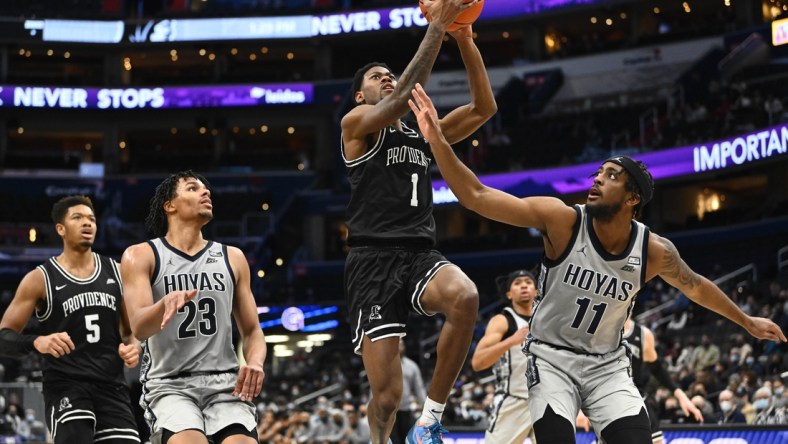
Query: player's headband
[(641, 179), (516, 274)]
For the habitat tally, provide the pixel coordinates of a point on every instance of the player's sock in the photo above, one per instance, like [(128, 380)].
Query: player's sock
[(431, 413)]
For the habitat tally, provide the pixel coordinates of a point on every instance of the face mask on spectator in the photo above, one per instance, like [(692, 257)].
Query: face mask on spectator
[(726, 406), (779, 391), (760, 404), (30, 418), (734, 358)]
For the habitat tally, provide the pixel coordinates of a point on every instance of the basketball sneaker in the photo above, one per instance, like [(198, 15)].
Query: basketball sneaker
[(426, 434)]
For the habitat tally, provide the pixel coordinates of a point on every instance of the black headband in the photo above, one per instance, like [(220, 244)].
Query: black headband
[(646, 188), (516, 274)]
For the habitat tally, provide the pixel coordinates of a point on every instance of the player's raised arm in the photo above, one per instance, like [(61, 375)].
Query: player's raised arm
[(542, 213), (465, 120), (665, 261)]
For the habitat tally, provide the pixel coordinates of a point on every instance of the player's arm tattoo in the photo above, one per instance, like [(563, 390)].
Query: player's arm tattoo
[(419, 68), (674, 267)]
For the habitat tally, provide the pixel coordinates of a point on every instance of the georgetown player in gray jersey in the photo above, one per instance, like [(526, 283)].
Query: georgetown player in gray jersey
[(85, 336), (501, 348), (596, 258), (391, 268), (181, 291)]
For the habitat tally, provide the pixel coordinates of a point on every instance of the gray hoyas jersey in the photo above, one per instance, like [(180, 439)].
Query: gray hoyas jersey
[(199, 337), (509, 370), (586, 294)]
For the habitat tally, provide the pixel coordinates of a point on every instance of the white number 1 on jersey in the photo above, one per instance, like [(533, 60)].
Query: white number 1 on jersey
[(414, 201)]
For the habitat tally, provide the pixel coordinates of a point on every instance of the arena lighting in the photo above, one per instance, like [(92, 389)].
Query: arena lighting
[(276, 339), (693, 159), (303, 318), (779, 32), (320, 337), (284, 353)]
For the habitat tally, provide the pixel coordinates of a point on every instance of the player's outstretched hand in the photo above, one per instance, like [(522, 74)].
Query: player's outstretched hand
[(250, 382), (173, 302), (446, 11), (130, 353), (57, 344), (426, 115), (687, 406), (763, 328)]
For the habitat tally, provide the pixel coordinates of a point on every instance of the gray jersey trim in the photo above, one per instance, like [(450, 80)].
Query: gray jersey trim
[(550, 263), (156, 263)]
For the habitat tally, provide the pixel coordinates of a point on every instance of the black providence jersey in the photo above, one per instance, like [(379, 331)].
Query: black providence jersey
[(391, 189), (634, 338), (89, 311)]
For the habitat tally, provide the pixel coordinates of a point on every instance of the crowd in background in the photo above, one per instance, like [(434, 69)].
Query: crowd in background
[(730, 376)]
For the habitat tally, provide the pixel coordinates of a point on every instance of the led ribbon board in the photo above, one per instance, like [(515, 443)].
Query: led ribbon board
[(14, 96), (257, 28), (712, 156)]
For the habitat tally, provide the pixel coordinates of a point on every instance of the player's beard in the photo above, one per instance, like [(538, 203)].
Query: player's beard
[(602, 212)]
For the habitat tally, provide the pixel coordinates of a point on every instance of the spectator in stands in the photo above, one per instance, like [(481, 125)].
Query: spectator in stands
[(766, 411), (774, 109), (705, 355), (18, 425), (357, 430), (38, 430), (729, 409), (678, 320)]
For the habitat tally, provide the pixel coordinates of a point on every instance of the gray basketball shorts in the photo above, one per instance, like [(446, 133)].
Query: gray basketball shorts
[(600, 385), (203, 402), (382, 285), (510, 421)]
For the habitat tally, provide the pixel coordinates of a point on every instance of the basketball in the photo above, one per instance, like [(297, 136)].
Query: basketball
[(466, 17)]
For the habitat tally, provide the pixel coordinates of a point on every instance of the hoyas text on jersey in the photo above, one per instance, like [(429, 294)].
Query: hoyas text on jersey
[(597, 283), (194, 281)]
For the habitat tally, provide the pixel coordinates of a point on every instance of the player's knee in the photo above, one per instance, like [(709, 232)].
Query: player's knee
[(234, 430), (554, 428), (387, 402), (629, 430), (465, 299)]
